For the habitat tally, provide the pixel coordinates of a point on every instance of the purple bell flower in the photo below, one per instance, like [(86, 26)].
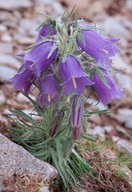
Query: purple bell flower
[(73, 76), (29, 65), (45, 30), (39, 56), (48, 90), (76, 116), (106, 92), (23, 79), (97, 46)]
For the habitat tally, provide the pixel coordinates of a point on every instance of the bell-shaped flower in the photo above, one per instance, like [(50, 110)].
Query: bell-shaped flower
[(106, 90), (76, 115), (49, 92), (23, 79), (48, 29), (74, 79), (100, 48), (41, 56)]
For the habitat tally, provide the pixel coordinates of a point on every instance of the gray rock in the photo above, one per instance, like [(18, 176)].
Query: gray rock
[(15, 159), (128, 5), (123, 145), (120, 64), (96, 104), (32, 113), (10, 24), (108, 128), (23, 40), (3, 119), (6, 47), (6, 73), (7, 112), (80, 5), (128, 124), (44, 189), (124, 116), (2, 28), (6, 38), (2, 97), (20, 97), (58, 7), (15, 4), (112, 24), (6, 16), (95, 9), (126, 22), (9, 60), (124, 82), (97, 131), (27, 26), (46, 1)]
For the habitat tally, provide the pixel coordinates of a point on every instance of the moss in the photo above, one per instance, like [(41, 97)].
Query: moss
[(24, 183), (112, 168)]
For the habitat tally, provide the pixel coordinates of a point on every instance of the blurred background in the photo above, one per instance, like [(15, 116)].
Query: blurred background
[(18, 21)]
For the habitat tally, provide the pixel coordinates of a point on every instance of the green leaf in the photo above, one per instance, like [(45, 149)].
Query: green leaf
[(76, 22), (88, 113), (54, 47), (81, 161), (88, 137), (55, 160), (80, 37), (22, 114), (71, 13), (42, 153), (42, 24)]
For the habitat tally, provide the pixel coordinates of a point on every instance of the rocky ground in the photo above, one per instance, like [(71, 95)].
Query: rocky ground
[(18, 21)]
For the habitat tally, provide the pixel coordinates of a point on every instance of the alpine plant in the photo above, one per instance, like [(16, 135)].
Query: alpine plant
[(66, 59)]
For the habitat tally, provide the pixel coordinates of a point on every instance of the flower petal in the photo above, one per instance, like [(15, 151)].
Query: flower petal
[(106, 93)]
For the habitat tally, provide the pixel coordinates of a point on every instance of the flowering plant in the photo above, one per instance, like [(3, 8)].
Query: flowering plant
[(67, 58)]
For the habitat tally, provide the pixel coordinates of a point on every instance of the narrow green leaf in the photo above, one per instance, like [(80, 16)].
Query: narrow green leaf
[(42, 24), (88, 137), (22, 114), (81, 37), (55, 160), (88, 113), (71, 13), (54, 47)]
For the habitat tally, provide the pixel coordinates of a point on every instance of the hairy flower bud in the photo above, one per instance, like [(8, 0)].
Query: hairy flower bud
[(46, 30), (76, 115), (57, 117)]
